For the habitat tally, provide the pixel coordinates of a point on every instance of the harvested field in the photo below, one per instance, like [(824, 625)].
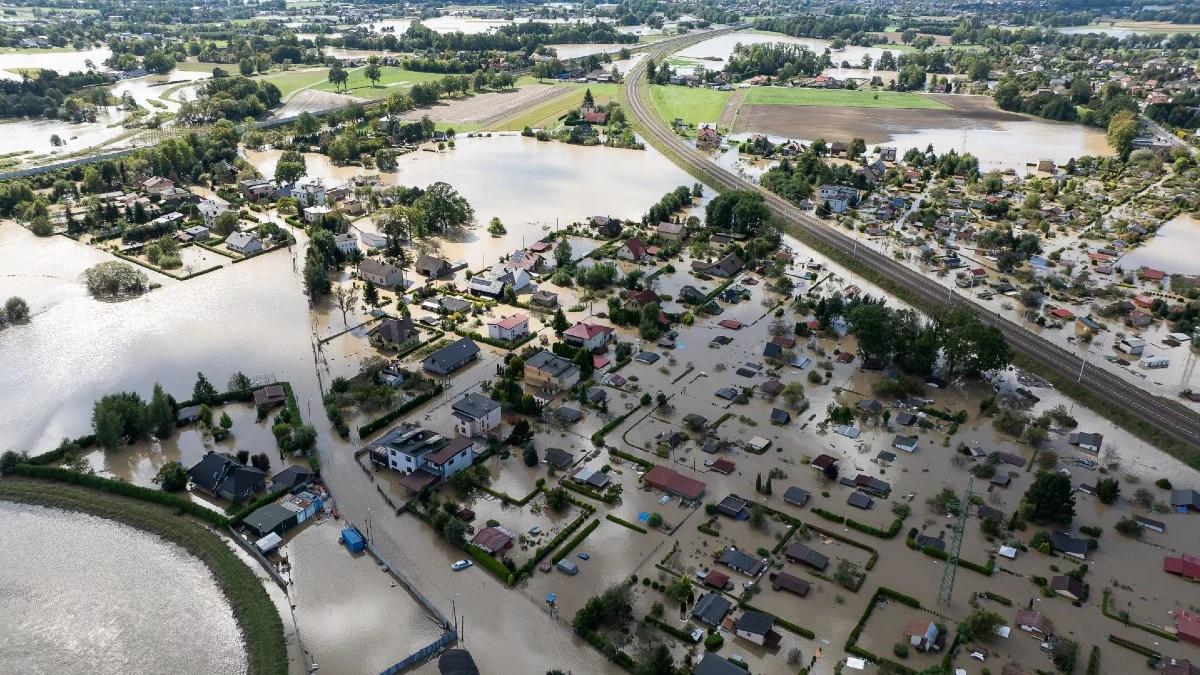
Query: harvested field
[(848, 98), (312, 100), (489, 108), (872, 125)]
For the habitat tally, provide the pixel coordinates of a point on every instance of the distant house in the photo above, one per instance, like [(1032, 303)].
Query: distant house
[(727, 267), (1068, 587), (432, 267), (1068, 545), (925, 541), (346, 243), (796, 496), (1168, 667), (1086, 441), (823, 462), (1035, 623), (543, 298), (1150, 524), (802, 554), (715, 664), (592, 478), (716, 579), (493, 539), (632, 249), (381, 273), (757, 627), (398, 334), (589, 336), (1184, 565), (451, 357), (244, 243), (196, 233), (270, 396), (670, 231), (222, 476), (1187, 626), (210, 208), (672, 482), (921, 634), (905, 443), (509, 328), (316, 214), (731, 506), (860, 501), (424, 457), (373, 240), (291, 478), (157, 185), (790, 583), (741, 561), (548, 371), (475, 415), (558, 458), (711, 609), (870, 405)]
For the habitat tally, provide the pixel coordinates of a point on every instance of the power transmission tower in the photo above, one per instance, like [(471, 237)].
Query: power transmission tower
[(960, 526)]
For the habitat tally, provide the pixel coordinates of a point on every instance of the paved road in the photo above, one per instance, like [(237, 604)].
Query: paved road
[(1170, 417)]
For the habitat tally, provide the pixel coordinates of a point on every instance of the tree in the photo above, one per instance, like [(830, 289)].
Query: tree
[(1063, 654), (530, 456), (873, 328), (226, 223), (238, 382), (290, 167), (655, 520), (16, 310), (442, 208), (793, 394), (373, 72), (203, 391), (856, 149), (980, 624), (1050, 499), (226, 422), (259, 461), (563, 253), (560, 322), (1107, 490), (588, 101), (162, 417), (1122, 129), (316, 276), (171, 477), (116, 417), (338, 76), (496, 228), (371, 294), (1128, 527), (558, 499), (345, 299), (306, 124), (648, 327)]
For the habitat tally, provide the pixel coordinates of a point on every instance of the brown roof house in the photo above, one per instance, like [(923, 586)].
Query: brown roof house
[(399, 334), (1035, 623)]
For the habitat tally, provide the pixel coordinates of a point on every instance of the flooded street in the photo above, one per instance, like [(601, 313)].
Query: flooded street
[(73, 604)]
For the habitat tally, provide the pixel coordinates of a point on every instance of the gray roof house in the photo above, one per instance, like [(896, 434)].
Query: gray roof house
[(715, 664), (742, 562), (711, 609), (222, 476), (796, 496), (1068, 545), (451, 357), (805, 555)]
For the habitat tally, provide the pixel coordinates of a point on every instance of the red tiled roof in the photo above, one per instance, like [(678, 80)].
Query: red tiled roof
[(511, 322), (1184, 565), (492, 539), (1061, 313), (724, 466), (669, 480), (732, 324), (1188, 625), (587, 331), (823, 461), (716, 579), (599, 361), (637, 247), (448, 451), (1151, 273)]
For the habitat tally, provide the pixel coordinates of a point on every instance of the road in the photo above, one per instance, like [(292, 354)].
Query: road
[(1173, 419)]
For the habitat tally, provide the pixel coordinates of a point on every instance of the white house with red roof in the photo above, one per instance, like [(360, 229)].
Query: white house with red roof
[(589, 336), (632, 249), (509, 328)]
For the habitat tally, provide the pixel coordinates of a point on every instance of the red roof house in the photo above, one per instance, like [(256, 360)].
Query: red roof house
[(1187, 566), (716, 579), (731, 324), (633, 249), (595, 117), (1061, 313), (1151, 274), (1188, 625), (723, 466), (493, 539), (672, 482), (1143, 301)]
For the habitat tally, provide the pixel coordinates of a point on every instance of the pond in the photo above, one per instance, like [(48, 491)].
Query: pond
[(85, 594)]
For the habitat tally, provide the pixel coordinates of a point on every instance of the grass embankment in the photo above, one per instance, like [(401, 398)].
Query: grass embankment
[(256, 615), (693, 104), (838, 98), (548, 114), (391, 78)]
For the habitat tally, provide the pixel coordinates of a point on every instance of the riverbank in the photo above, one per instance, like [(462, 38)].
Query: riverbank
[(259, 621)]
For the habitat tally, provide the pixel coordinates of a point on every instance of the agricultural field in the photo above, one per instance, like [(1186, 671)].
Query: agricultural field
[(359, 85), (693, 104), (840, 98)]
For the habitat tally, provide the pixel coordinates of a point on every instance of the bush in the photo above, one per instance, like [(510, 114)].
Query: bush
[(713, 642), (900, 650), (1163, 483)]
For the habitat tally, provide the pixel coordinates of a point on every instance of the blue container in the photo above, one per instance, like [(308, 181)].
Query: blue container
[(353, 540)]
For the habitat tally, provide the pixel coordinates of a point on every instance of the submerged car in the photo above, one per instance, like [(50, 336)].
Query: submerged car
[(461, 565)]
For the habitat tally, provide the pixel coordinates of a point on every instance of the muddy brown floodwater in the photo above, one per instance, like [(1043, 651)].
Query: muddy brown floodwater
[(72, 603)]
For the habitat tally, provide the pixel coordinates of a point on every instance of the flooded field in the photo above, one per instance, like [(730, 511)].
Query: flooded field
[(714, 52), (530, 185), (61, 61), (35, 135), (1001, 140), (1172, 250), (94, 615)]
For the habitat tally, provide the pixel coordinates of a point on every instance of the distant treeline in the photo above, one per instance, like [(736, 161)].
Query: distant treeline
[(50, 95)]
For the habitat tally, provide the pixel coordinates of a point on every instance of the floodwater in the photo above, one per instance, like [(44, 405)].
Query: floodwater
[(576, 51), (456, 24), (1013, 145), (73, 604), (155, 87), (62, 62), (35, 134), (530, 185), (716, 51), (1172, 250), (1129, 29)]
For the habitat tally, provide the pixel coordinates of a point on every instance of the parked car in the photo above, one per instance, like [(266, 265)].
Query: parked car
[(584, 556), (460, 565)]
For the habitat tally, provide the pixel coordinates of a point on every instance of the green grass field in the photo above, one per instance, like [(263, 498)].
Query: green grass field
[(547, 114), (291, 81), (392, 78), (838, 98), (693, 104)]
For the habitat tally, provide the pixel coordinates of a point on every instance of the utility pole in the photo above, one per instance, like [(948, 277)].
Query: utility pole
[(960, 525)]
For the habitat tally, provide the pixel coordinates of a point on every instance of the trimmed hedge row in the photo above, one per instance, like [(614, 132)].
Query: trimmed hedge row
[(625, 523), (491, 564), (1133, 646), (501, 344), (685, 635), (610, 652), (645, 464), (381, 422), (508, 499), (829, 515), (1140, 626), (575, 541), (588, 492), (890, 533), (852, 641), (527, 569), (598, 437), (124, 489)]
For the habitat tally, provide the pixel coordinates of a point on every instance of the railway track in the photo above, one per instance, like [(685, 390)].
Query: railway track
[(1172, 419)]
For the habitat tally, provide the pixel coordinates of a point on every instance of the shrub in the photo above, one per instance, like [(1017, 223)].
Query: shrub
[(714, 642), (1163, 483), (900, 650)]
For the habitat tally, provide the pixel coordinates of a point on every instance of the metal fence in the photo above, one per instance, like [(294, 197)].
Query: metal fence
[(423, 653)]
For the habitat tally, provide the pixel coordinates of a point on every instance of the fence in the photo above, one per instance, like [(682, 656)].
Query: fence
[(449, 638), (262, 560), (391, 569)]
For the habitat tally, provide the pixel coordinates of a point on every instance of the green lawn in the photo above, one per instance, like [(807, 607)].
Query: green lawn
[(392, 77), (290, 81), (838, 98), (693, 104), (547, 114)]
